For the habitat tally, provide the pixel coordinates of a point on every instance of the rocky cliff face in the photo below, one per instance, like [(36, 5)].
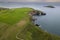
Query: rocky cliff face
[(37, 12)]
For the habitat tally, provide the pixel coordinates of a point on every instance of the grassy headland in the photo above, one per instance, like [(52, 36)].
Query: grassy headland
[(16, 25)]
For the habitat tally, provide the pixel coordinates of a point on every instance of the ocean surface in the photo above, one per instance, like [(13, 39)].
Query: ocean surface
[(50, 22)]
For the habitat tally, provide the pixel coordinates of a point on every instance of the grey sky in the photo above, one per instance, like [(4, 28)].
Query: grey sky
[(29, 0)]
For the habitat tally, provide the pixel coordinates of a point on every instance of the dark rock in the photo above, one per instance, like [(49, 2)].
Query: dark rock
[(43, 13), (33, 19), (40, 13), (37, 12), (36, 24), (50, 6)]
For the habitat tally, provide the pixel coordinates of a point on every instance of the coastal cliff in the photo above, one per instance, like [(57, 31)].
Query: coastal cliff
[(16, 25)]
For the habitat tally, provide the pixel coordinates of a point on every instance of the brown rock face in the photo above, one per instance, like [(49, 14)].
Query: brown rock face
[(36, 12)]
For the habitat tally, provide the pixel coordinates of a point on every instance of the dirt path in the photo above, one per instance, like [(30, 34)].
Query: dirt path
[(13, 29), (21, 23)]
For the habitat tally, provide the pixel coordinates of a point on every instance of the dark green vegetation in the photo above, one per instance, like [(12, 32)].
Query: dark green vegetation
[(15, 24), (1, 8)]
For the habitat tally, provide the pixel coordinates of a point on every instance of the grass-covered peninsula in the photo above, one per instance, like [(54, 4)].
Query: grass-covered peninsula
[(15, 24)]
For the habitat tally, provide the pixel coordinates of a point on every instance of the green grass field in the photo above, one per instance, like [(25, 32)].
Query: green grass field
[(13, 16), (15, 25)]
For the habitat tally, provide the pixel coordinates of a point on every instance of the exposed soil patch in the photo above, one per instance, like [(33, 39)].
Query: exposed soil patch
[(21, 23)]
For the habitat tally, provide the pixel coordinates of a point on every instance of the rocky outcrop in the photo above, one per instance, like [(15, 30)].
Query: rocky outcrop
[(36, 12), (40, 12), (37, 25), (50, 6)]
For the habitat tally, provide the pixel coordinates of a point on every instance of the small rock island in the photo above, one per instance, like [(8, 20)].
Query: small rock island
[(49, 6)]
